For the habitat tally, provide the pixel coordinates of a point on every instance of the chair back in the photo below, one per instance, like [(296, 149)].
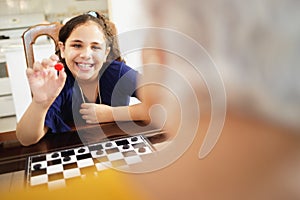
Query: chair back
[(32, 33)]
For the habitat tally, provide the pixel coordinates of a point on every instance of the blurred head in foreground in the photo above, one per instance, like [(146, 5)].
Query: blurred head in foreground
[(215, 56)]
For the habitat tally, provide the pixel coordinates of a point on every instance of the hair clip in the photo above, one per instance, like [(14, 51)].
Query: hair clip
[(93, 14), (97, 15)]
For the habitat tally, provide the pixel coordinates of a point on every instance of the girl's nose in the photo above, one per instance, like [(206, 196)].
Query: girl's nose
[(86, 53)]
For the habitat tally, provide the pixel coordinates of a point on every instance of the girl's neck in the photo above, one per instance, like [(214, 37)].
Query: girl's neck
[(88, 83), (90, 89)]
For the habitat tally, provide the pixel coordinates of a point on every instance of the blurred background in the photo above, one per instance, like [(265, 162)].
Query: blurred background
[(255, 46)]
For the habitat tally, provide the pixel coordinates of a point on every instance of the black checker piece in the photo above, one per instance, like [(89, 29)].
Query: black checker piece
[(67, 158), (134, 139), (108, 144), (81, 150), (55, 155), (37, 166)]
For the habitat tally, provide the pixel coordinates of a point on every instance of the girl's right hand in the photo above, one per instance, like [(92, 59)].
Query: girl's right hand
[(44, 81)]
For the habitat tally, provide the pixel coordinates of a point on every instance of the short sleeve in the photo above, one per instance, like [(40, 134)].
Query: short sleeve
[(118, 83), (128, 80)]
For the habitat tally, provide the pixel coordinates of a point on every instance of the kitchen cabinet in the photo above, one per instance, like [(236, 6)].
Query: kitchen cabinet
[(6, 101)]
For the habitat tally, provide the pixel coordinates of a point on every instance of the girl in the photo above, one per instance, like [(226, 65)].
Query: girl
[(84, 92)]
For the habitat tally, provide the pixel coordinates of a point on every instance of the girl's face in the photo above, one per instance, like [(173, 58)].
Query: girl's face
[(85, 51)]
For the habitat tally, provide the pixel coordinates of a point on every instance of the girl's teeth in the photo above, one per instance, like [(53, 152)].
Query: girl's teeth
[(84, 65)]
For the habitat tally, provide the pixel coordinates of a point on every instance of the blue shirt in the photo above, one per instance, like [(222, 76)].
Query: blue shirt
[(117, 83)]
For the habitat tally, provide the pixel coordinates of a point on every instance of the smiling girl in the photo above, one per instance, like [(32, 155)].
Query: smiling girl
[(92, 88)]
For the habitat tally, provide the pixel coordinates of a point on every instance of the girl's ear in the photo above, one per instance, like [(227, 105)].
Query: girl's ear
[(106, 53), (61, 47)]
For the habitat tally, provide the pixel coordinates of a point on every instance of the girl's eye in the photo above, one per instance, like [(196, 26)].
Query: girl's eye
[(96, 47), (76, 45)]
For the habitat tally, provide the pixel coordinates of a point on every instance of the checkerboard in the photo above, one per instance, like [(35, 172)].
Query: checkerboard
[(55, 169)]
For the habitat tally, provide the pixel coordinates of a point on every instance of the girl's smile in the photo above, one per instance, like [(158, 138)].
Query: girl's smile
[(84, 66)]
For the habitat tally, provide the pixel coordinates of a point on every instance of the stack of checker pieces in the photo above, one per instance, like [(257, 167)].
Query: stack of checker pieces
[(56, 169)]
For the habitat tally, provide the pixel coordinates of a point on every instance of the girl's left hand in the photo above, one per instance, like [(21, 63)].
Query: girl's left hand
[(96, 113)]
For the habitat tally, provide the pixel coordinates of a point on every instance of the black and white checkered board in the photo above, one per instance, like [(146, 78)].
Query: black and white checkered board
[(53, 170)]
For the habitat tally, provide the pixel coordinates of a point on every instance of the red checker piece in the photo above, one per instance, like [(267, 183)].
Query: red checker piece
[(58, 66)]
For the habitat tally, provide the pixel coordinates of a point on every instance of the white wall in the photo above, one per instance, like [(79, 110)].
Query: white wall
[(128, 15)]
